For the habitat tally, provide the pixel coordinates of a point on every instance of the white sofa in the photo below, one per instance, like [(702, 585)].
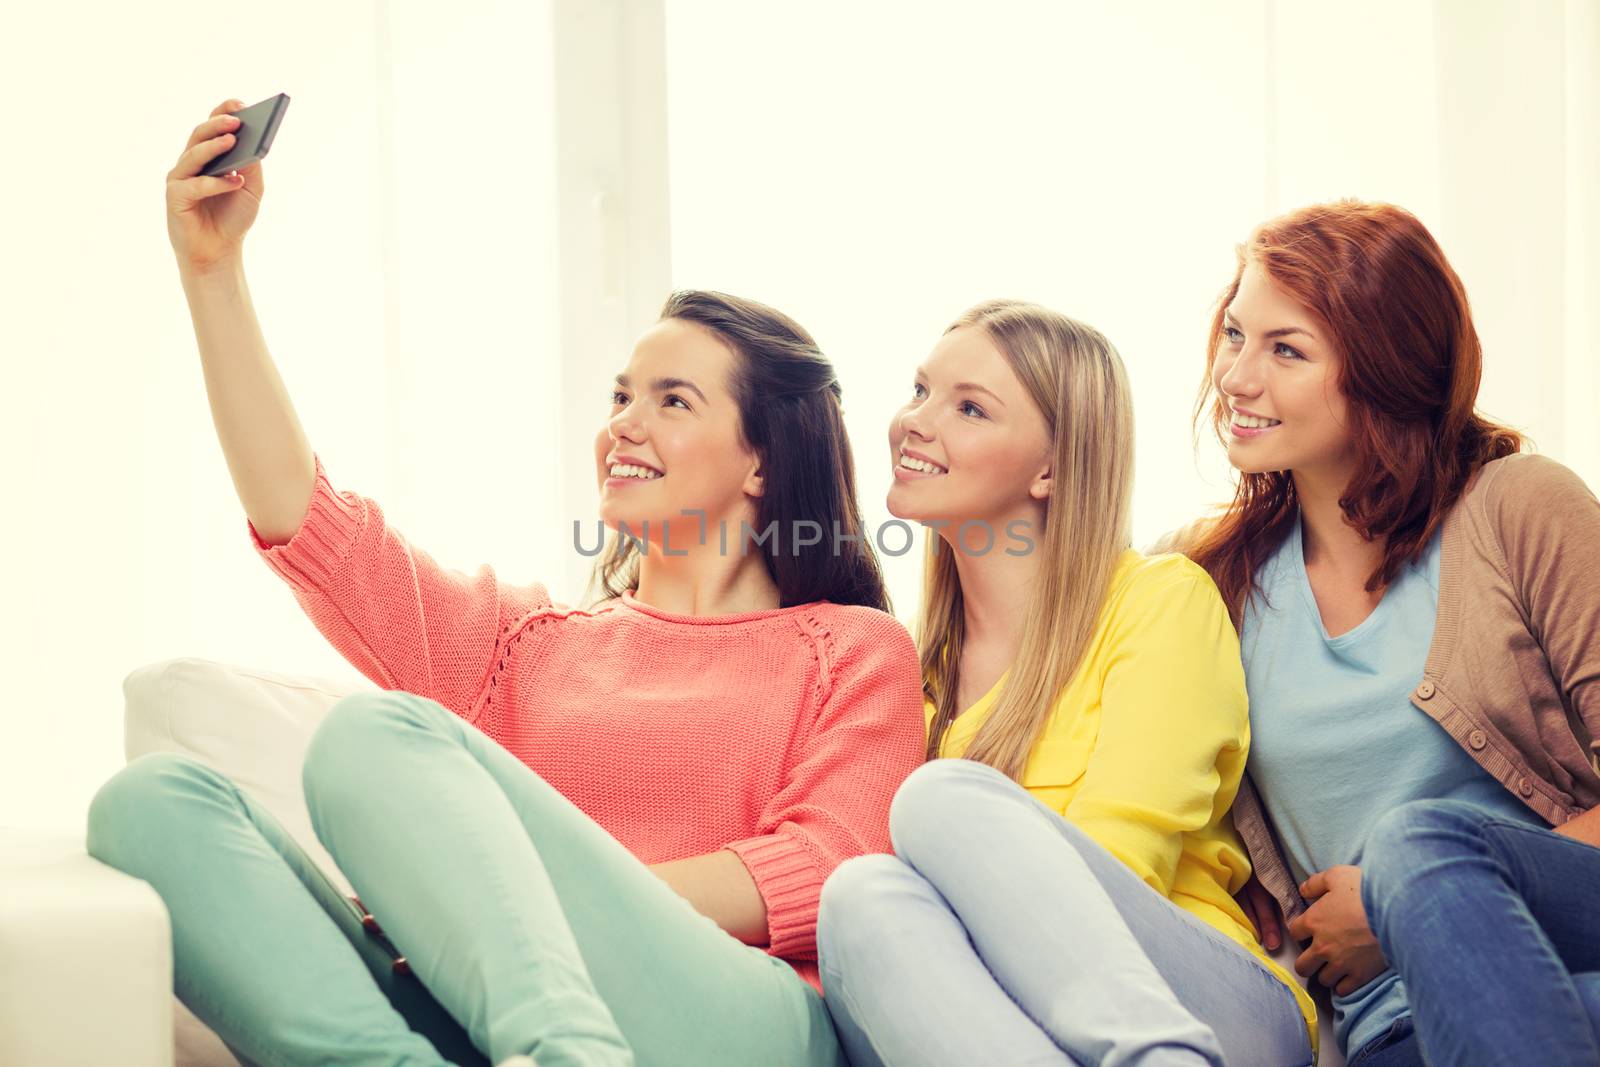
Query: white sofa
[(86, 951)]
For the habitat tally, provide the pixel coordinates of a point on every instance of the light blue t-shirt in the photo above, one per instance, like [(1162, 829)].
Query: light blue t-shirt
[(1335, 741)]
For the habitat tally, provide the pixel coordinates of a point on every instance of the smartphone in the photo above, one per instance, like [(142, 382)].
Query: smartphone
[(257, 125)]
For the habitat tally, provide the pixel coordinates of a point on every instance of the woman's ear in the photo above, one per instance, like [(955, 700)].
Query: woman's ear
[(1040, 488), (755, 483)]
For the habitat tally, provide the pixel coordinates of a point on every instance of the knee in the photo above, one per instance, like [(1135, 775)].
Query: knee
[(140, 802), (346, 741), (1409, 838), (935, 799), (856, 899)]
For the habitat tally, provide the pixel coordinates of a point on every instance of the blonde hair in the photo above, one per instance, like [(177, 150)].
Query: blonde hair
[(1077, 380)]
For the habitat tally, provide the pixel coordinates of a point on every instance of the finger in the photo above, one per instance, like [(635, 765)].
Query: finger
[(1331, 975), (1348, 986), (1314, 886), (1297, 927), (1309, 962), (1257, 918), (1271, 935), (196, 158), (193, 190), (230, 104), (210, 128)]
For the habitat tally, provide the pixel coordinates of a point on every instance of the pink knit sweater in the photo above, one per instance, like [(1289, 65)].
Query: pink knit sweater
[(781, 735)]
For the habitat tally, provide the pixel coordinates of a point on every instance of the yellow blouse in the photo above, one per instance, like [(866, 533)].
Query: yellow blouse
[(1146, 744)]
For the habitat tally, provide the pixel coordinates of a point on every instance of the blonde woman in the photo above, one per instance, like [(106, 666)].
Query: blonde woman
[(1063, 891)]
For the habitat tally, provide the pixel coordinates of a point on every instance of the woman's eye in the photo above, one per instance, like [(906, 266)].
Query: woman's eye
[(969, 408), (618, 397), (1234, 336), (917, 390), (1287, 352), (674, 396)]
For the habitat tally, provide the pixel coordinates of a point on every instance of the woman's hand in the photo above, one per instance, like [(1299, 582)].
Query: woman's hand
[(1343, 954), (207, 217), (1260, 908)]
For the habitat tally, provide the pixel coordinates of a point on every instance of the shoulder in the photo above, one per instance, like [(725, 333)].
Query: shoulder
[(1527, 492), (856, 631), (1524, 478), (866, 660), (1147, 581)]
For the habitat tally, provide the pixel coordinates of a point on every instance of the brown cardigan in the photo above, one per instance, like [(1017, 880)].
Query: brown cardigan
[(1513, 673)]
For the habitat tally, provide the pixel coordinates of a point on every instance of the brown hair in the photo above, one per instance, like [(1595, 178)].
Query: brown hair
[(1410, 364), (789, 415)]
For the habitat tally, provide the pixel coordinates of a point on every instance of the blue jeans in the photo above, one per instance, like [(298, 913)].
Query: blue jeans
[(1395, 1047), (1494, 926), (527, 928), (1001, 933)]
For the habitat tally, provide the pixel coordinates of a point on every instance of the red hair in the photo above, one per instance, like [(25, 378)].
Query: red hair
[(1397, 315)]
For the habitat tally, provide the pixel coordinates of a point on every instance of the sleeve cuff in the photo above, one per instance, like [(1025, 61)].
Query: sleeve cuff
[(332, 524), (791, 885)]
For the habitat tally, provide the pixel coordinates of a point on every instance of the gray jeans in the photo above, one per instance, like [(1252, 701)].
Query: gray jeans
[(1001, 933)]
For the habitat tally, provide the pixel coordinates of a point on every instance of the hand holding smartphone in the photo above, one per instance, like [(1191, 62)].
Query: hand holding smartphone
[(258, 124), (215, 189)]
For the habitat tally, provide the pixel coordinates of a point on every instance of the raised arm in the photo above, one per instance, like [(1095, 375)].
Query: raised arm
[(266, 450), (398, 616)]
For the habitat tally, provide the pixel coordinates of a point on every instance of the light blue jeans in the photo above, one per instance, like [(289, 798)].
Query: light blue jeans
[(1001, 933), (527, 928)]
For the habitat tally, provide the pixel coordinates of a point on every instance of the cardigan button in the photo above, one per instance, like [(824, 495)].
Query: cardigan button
[(1525, 787), (401, 966), (1477, 739), (1425, 690), (371, 924)]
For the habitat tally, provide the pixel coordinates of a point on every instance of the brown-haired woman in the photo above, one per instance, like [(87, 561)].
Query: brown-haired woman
[(598, 834), (1419, 613)]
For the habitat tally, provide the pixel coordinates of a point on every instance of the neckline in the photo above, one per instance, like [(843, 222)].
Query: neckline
[(960, 731), (1298, 556), (629, 600), (987, 697)]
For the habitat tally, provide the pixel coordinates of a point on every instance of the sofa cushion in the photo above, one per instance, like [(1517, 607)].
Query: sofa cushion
[(252, 725)]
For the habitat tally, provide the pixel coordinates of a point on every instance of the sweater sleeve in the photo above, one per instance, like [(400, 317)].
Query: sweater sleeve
[(1174, 726), (395, 614), (1549, 529), (865, 739)]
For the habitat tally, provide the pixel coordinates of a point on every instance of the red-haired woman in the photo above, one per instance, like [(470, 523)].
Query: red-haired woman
[(1419, 612)]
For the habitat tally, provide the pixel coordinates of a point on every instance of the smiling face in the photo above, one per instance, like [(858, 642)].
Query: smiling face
[(971, 444), (1277, 374), (672, 442)]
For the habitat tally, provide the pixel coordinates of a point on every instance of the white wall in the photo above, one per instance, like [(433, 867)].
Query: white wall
[(403, 269)]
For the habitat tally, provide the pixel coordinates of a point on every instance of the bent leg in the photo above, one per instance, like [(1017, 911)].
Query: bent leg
[(535, 927), (903, 982), (1111, 969), (266, 950), (1487, 921)]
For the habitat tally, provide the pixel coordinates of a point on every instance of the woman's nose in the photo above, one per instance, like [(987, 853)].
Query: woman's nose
[(624, 425), (912, 424), (1239, 376)]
